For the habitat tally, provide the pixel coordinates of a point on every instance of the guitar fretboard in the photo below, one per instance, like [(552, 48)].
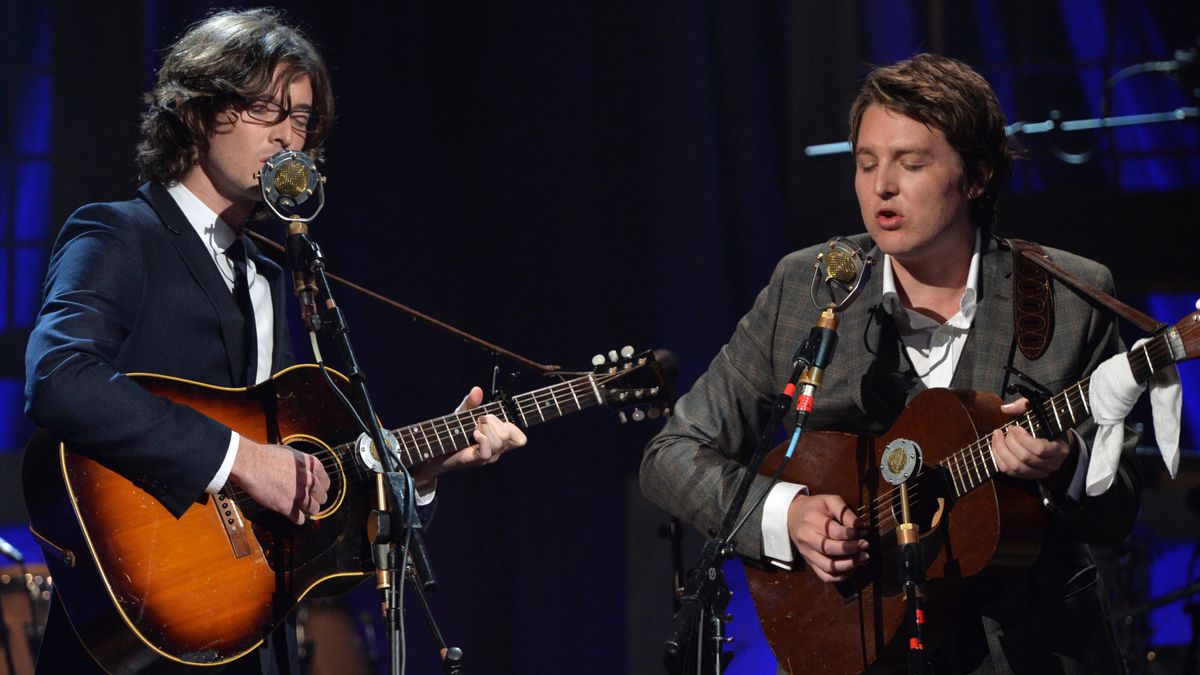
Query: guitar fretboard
[(451, 433), (973, 465)]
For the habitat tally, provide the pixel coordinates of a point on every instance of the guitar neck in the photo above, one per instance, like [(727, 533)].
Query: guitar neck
[(973, 465), (446, 435)]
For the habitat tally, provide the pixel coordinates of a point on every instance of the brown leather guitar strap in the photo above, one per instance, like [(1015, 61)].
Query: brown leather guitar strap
[(543, 368), (1033, 305)]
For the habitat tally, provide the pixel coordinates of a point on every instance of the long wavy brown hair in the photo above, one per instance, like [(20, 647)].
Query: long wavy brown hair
[(219, 63)]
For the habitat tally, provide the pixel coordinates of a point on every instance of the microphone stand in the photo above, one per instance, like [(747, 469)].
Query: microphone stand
[(394, 522), (706, 595), (287, 180), (912, 575)]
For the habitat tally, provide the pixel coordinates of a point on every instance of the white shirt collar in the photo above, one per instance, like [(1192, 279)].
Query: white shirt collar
[(966, 306), (216, 234)]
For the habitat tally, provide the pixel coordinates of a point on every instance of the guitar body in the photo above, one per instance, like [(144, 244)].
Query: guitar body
[(859, 625), (142, 587)]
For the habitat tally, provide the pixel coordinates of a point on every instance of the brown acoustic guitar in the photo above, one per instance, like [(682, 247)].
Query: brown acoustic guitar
[(143, 588), (969, 523)]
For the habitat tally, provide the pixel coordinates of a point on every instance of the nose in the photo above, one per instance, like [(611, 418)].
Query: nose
[(283, 134), (885, 185)]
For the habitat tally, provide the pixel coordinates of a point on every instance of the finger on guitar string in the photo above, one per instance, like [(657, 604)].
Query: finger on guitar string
[(280, 478), (826, 533)]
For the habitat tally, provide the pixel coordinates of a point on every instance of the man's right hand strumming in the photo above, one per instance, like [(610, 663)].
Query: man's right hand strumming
[(280, 478), (828, 534)]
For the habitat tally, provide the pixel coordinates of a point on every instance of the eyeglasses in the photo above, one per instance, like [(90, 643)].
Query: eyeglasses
[(303, 121)]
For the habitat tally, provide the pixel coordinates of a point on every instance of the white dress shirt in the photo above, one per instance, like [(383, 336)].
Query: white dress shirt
[(218, 236)]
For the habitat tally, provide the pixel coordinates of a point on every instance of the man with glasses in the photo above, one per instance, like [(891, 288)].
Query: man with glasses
[(167, 283)]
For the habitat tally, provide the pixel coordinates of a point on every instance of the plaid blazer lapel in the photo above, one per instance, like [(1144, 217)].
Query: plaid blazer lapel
[(992, 329), (860, 323)]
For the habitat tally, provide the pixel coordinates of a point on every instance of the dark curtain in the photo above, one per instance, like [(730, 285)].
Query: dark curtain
[(567, 178)]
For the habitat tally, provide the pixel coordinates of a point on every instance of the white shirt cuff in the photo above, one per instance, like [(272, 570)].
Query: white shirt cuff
[(218, 481), (426, 498), (777, 543)]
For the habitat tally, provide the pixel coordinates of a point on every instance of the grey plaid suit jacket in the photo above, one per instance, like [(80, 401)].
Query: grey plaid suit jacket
[(692, 468)]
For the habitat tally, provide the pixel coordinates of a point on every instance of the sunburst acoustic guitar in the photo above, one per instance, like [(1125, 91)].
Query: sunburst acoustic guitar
[(143, 588)]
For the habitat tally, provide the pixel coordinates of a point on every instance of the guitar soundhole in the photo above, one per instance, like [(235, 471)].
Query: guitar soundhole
[(333, 466), (927, 502)]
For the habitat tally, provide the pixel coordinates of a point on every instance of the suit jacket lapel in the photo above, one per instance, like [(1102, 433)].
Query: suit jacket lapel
[(200, 264), (991, 330)]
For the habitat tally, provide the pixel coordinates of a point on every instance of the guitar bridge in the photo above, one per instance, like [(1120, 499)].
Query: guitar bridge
[(234, 524)]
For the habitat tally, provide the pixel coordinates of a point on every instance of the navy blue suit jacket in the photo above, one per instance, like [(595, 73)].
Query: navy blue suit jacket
[(131, 287)]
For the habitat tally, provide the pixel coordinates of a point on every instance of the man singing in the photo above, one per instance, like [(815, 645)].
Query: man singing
[(930, 152), (167, 283)]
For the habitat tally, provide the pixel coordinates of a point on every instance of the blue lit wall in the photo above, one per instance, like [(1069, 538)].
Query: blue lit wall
[(24, 195), (25, 102), (1147, 154)]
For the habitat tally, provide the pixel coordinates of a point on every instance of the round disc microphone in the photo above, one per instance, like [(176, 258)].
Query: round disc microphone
[(839, 274), (839, 266), (289, 179)]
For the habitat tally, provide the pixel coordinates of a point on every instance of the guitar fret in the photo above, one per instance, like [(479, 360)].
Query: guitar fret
[(1070, 410), (461, 431), (411, 443), (595, 389), (578, 405), (438, 436), (425, 440), (1029, 423), (1146, 355), (554, 397), (954, 475), (971, 465), (1057, 420), (501, 411), (408, 461)]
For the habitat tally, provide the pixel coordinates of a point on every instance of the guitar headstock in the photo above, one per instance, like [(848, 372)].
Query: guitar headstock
[(1188, 330), (637, 382)]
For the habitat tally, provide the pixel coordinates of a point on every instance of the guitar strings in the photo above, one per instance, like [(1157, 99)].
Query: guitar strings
[(974, 459), (332, 458)]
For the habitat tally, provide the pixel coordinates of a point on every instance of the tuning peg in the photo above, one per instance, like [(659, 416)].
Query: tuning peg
[(612, 355), (598, 360), (653, 413), (626, 351), (621, 416), (638, 415)]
